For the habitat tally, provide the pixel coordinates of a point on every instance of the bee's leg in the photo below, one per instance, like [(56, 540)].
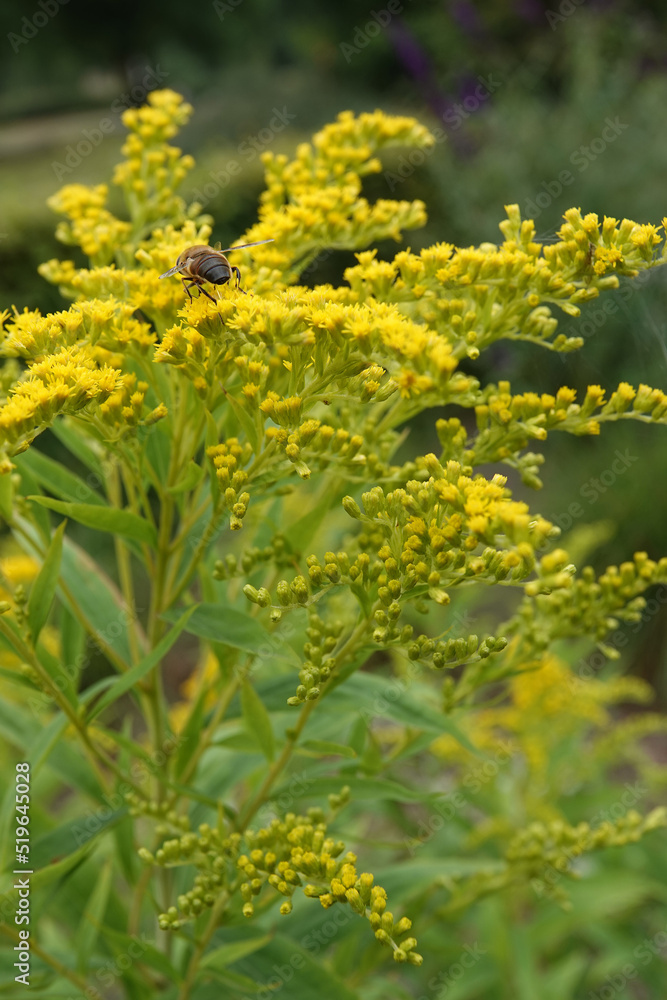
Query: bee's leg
[(188, 287), (208, 294), (236, 271)]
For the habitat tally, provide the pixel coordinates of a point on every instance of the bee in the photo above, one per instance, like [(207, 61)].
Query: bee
[(202, 263)]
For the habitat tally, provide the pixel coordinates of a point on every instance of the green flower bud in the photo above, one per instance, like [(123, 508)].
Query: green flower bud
[(351, 507)]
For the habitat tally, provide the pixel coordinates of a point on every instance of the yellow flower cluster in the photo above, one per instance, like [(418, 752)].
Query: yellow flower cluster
[(108, 324), (148, 176), (393, 337), (544, 855), (267, 387), (558, 604), (91, 225), (605, 247), (445, 531), (506, 423), (314, 203), (68, 381), (545, 852), (153, 169), (288, 854), (450, 528), (475, 296)]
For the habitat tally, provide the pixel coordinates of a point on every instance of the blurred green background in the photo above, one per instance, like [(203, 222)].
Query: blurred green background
[(546, 104)]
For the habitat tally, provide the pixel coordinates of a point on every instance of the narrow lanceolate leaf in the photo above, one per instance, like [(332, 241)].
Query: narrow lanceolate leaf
[(44, 588), (88, 593), (300, 534), (70, 433), (257, 720), (324, 748), (72, 643), (55, 478), (192, 476), (118, 522), (231, 627), (226, 954), (140, 948), (6, 496), (93, 916), (61, 678), (191, 731), (137, 673), (250, 427)]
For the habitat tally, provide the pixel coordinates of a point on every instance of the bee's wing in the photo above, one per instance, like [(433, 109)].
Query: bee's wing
[(243, 246), (175, 269)]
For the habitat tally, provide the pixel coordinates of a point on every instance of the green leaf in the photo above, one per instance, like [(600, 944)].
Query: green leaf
[(66, 840), (75, 769), (87, 591), (192, 729), (15, 725), (77, 440), (133, 676), (45, 740), (7, 817), (158, 448), (323, 748), (6, 496), (93, 916), (401, 699), (43, 589), (73, 643), (192, 476), (37, 523), (97, 598), (231, 627), (142, 950), (48, 736), (521, 962), (63, 866), (227, 954), (129, 865), (118, 522), (21, 682), (54, 477), (364, 789), (249, 426), (310, 977), (257, 719), (300, 533), (243, 742)]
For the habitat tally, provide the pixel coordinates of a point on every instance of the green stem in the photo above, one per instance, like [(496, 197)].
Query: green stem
[(117, 661), (278, 765), (140, 891), (28, 655), (204, 541), (202, 944), (55, 964), (204, 740), (124, 566)]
